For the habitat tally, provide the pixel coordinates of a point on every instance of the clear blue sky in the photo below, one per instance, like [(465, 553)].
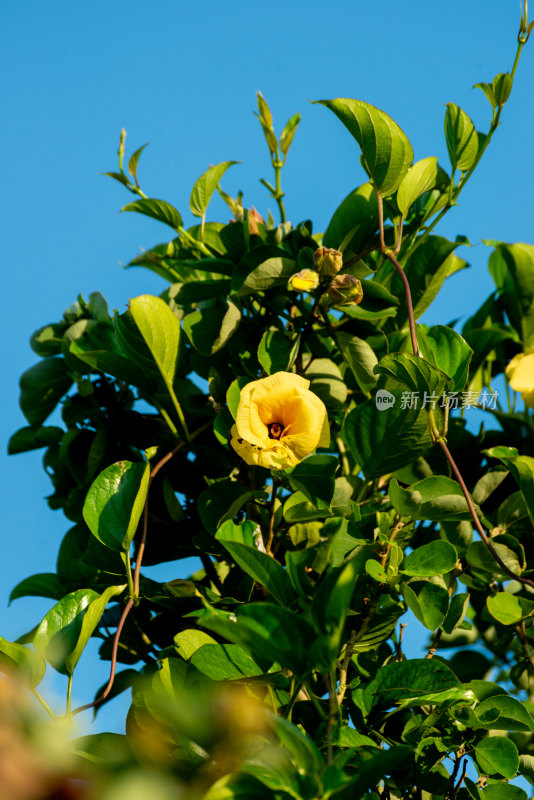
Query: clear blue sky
[(183, 76)]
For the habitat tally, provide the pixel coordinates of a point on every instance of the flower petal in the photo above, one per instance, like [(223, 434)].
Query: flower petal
[(520, 372), (274, 456)]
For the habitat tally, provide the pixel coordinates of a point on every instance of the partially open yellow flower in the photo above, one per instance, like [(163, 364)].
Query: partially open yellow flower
[(279, 422), (520, 374)]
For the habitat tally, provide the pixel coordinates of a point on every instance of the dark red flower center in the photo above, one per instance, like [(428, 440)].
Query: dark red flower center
[(275, 430)]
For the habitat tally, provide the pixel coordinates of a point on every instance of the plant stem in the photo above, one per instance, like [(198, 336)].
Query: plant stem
[(69, 694), (270, 532), (278, 194), (43, 703)]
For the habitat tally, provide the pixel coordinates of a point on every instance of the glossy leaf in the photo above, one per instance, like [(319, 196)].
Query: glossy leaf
[(385, 148), (274, 352), (461, 138), (497, 756), (416, 374), (406, 679), (419, 179), (448, 351), (91, 618), (434, 498), (428, 602), (189, 641), (479, 557), (224, 662), (522, 469), (209, 329), (160, 330), (44, 584), (512, 715), (263, 268), (304, 752), (354, 221), (134, 160), (157, 209), (58, 633), (42, 387), (508, 609), (360, 358), (205, 186), (315, 477), (114, 503), (385, 440), (33, 438), (434, 558), (29, 665), (263, 568), (456, 613)]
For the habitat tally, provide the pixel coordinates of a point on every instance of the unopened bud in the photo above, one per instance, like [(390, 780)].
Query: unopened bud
[(345, 290), (304, 281), (327, 261), (253, 219)]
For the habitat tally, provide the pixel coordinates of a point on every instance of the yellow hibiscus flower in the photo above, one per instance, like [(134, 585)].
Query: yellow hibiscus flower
[(279, 422), (520, 374)]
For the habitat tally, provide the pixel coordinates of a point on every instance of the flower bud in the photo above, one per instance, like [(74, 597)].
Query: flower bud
[(327, 261), (345, 290), (253, 219), (304, 281)]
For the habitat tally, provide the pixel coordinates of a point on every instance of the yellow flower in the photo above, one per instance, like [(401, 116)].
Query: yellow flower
[(520, 374), (304, 281), (279, 422)]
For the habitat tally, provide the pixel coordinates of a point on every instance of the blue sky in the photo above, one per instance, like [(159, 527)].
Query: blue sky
[(183, 76)]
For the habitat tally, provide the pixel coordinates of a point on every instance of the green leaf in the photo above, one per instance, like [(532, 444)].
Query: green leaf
[(189, 641), (488, 91), (503, 791), (479, 557), (160, 330), (44, 584), (371, 771), (375, 569), (134, 160), (222, 500), (383, 441), (448, 351), (33, 438), (286, 137), (354, 221), (434, 558), (304, 752), (360, 358), (270, 632), (42, 387), (461, 138), (385, 148), (115, 502), (157, 209), (197, 291), (456, 613), (419, 179), (225, 662), (263, 268), (428, 602), (416, 374), (209, 329), (426, 269), (434, 498), (315, 477), (508, 609), (512, 715), (274, 352), (57, 635), (412, 678), (298, 508), (29, 665), (512, 268), (326, 381), (263, 568), (502, 86), (497, 756), (522, 469), (204, 187), (233, 395), (90, 620)]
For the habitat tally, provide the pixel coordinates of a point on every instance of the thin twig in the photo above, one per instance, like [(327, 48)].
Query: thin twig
[(408, 295), (435, 643), (355, 637), (109, 685), (270, 534)]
